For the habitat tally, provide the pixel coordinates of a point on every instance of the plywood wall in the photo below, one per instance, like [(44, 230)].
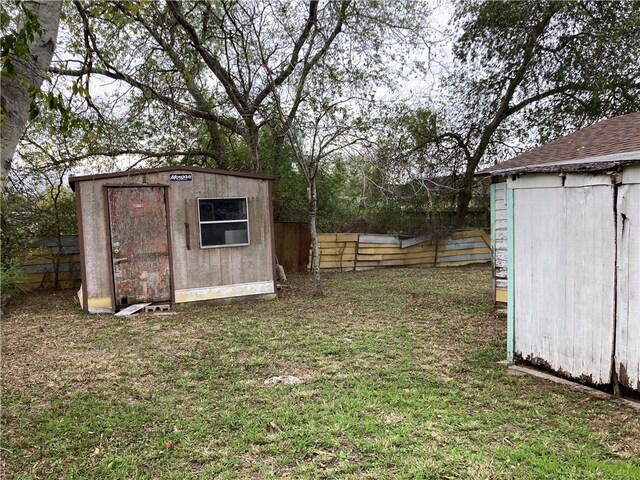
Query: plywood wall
[(564, 264), (627, 355), (354, 251), (292, 245)]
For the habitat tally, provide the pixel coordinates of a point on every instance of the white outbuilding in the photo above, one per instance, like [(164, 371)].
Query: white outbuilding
[(566, 241)]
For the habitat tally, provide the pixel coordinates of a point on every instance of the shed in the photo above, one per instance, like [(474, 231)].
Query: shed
[(174, 235), (566, 238)]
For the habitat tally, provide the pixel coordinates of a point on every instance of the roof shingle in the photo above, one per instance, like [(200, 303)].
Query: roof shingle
[(617, 135)]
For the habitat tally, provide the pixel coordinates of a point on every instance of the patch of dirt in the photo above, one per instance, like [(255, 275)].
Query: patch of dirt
[(282, 380)]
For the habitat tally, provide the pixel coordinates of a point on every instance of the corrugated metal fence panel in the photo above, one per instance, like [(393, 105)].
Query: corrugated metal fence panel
[(48, 255), (364, 252), (627, 362), (564, 285)]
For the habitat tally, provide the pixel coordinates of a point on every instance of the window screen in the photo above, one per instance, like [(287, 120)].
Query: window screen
[(223, 222)]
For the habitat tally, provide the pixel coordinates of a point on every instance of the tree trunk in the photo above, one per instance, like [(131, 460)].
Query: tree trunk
[(277, 151), (253, 138), (216, 145), (464, 196), (315, 256), (29, 72)]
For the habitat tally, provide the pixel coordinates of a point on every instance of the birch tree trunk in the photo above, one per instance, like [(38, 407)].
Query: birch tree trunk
[(315, 255), (29, 72)]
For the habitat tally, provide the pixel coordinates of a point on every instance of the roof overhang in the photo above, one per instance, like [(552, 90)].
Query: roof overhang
[(586, 164), (173, 168)]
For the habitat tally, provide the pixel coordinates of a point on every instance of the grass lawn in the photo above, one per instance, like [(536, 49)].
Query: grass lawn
[(399, 374)]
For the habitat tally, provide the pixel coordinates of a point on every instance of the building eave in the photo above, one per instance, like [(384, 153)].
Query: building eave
[(586, 164)]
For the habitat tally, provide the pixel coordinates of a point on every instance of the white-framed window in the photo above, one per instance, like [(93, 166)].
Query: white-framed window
[(224, 222)]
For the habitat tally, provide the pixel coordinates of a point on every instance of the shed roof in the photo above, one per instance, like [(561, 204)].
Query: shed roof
[(600, 146), (173, 168)]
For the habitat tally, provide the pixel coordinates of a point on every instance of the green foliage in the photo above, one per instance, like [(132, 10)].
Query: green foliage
[(569, 63), (524, 73), (289, 191), (290, 202), (35, 206), (337, 210), (10, 275), (410, 181), (21, 26)]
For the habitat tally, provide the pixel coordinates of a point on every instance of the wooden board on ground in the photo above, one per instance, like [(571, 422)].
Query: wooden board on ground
[(131, 309)]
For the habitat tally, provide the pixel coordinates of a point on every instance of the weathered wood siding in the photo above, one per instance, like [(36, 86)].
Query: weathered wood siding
[(197, 272), (499, 241), (353, 251), (564, 263), (627, 361)]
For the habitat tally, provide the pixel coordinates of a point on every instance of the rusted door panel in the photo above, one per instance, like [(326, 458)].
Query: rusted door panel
[(139, 245)]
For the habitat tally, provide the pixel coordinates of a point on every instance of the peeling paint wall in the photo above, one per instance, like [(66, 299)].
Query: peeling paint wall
[(564, 260), (499, 241), (627, 361), (576, 274)]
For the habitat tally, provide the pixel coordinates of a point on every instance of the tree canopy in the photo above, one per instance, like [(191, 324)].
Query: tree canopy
[(286, 88), (211, 69), (527, 72)]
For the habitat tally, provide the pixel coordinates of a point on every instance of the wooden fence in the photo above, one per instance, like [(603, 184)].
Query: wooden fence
[(49, 258), (292, 245), (354, 251), (48, 262)]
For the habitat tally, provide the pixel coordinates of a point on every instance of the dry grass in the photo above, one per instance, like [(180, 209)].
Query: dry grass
[(400, 381)]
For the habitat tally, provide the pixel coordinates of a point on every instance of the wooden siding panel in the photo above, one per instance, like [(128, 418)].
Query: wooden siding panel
[(382, 239), (627, 358), (590, 286), (583, 180), (501, 294), (500, 236), (293, 241), (535, 181), (563, 285), (96, 241), (631, 175)]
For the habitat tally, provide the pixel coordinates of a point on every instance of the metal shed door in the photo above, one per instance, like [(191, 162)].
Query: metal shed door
[(139, 244)]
